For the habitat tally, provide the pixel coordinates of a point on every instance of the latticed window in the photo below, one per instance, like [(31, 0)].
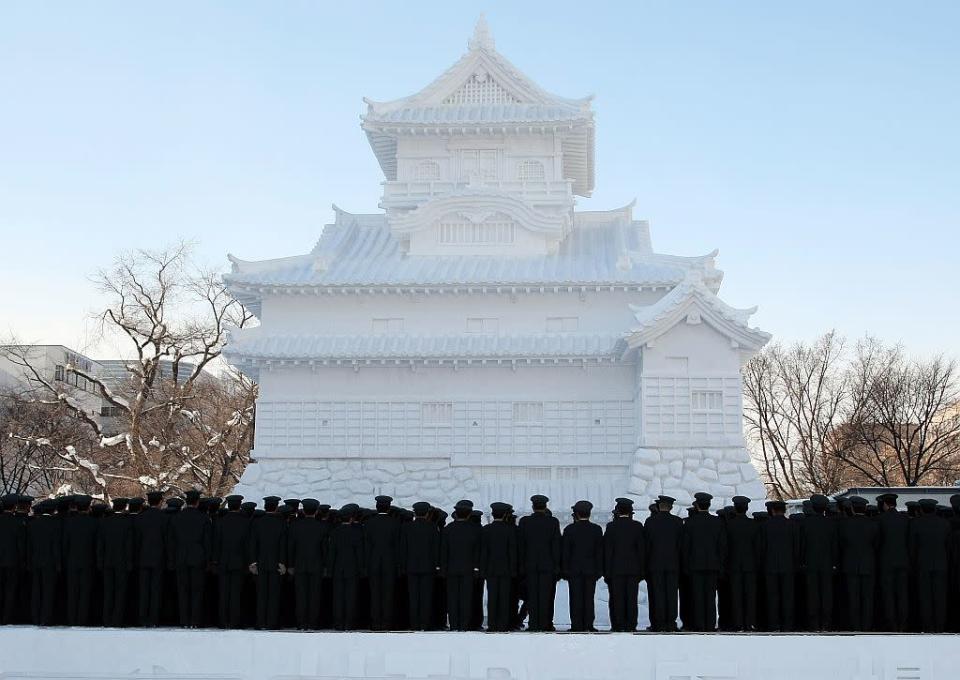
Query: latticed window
[(527, 412), (530, 171), (387, 325), (539, 473), (563, 324), (436, 413), (489, 232), (428, 171), (706, 400), (481, 89), (482, 163), (483, 325)]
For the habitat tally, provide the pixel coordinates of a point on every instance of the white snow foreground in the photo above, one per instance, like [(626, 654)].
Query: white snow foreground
[(104, 654)]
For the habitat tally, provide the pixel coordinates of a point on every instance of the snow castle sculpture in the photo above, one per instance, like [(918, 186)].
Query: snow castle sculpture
[(480, 337)]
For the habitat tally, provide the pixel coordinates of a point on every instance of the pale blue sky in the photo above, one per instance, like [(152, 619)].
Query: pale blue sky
[(814, 143)]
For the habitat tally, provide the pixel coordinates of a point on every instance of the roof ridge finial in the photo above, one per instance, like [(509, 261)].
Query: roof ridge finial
[(482, 38)]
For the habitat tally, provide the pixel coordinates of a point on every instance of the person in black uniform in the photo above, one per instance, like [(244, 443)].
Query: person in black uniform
[(381, 536), (928, 542), (80, 561), (819, 550), (306, 555), (268, 548), (191, 545), (858, 537), (539, 535), (13, 538), (499, 558), (44, 550), (420, 562), (581, 565), (346, 566), (778, 548), (664, 531), (703, 555), (741, 566), (893, 563), (230, 560), (460, 564), (624, 558), (115, 559), (150, 532)]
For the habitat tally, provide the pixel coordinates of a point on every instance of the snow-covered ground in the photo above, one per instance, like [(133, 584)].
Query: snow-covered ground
[(65, 653)]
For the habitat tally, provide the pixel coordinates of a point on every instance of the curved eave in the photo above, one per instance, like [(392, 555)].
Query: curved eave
[(424, 216)]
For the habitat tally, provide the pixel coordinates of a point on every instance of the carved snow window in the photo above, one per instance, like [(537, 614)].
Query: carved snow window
[(530, 171), (481, 163), (493, 231), (527, 412), (436, 413), (710, 401), (539, 473), (387, 325), (480, 88), (568, 473), (483, 325), (563, 324), (428, 171)]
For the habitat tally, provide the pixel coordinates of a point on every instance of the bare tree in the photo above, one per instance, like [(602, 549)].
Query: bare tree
[(903, 416), (793, 403), (176, 423)]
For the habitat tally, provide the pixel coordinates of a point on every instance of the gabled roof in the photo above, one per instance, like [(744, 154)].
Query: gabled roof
[(510, 98), (606, 248), (253, 345), (692, 301)]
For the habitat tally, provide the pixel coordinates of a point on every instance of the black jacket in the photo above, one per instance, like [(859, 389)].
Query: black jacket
[(664, 532), (893, 551), (115, 542), (582, 550), (346, 551), (45, 543), (819, 543), (499, 553), (80, 543), (741, 544), (419, 547), (190, 539), (539, 542), (859, 536), (268, 541), (704, 543), (381, 539), (231, 536), (13, 540), (624, 548), (778, 545), (307, 545), (929, 539), (150, 535), (460, 548)]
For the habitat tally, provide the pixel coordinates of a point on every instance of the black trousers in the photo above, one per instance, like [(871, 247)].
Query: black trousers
[(151, 589), (860, 594), (623, 602), (743, 600), (819, 587), (115, 596), (9, 594), (308, 589), (43, 596), (895, 598), (541, 591), (345, 602), (382, 592), (230, 602), (499, 609), (582, 614), (420, 592), (779, 599), (460, 600), (932, 600), (662, 589), (191, 582), (703, 600), (79, 594), (268, 598)]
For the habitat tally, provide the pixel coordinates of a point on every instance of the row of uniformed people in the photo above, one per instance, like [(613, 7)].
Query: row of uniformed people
[(326, 566)]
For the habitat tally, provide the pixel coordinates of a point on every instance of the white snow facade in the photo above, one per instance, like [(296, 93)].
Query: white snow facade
[(480, 337)]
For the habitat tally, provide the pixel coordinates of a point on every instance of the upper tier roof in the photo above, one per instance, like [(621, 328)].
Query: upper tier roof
[(603, 249), (483, 92)]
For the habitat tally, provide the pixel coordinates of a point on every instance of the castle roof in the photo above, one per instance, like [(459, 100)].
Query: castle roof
[(484, 93), (603, 249)]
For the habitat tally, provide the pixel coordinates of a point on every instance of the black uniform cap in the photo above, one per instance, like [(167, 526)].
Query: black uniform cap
[(383, 500), (761, 515), (135, 503), (349, 510), (421, 507), (192, 496), (666, 499), (776, 505), (818, 500), (25, 499), (154, 497), (310, 505), (887, 498), (293, 503), (247, 506), (83, 501), (912, 504), (539, 500), (464, 505), (582, 507), (499, 509), (271, 502), (858, 502), (175, 503), (9, 501), (623, 505), (119, 504), (702, 497), (928, 504), (740, 500), (323, 507), (476, 513)]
